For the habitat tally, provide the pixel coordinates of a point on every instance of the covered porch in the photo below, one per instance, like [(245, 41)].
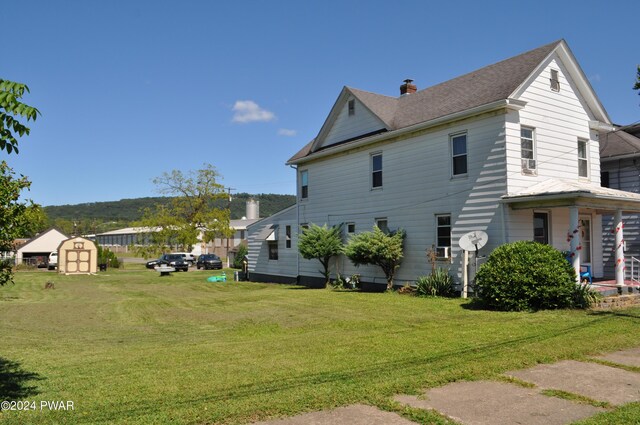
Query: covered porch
[(584, 204)]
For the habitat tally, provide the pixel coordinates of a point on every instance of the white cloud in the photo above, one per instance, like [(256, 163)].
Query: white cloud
[(596, 78), (287, 132), (246, 111)]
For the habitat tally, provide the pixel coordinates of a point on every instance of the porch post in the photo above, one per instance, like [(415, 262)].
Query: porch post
[(620, 265), (574, 237)]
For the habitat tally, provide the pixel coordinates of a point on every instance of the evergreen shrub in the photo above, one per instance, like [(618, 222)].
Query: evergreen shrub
[(527, 275)]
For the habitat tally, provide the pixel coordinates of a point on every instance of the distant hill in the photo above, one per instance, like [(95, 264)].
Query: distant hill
[(129, 210)]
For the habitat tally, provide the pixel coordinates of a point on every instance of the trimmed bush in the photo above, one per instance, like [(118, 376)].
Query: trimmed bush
[(527, 276)]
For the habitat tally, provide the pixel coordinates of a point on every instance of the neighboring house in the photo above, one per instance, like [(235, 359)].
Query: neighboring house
[(219, 245), (620, 169), (122, 239), (510, 149), (36, 250)]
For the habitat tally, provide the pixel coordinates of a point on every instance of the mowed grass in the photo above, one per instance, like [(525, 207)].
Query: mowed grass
[(132, 347)]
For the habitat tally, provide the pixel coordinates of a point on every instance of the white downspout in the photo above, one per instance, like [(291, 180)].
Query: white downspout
[(297, 221)]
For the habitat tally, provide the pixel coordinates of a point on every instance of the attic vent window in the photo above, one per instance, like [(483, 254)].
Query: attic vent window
[(352, 107), (555, 82)]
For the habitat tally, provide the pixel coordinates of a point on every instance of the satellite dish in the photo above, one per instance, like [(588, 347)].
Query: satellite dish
[(473, 241)]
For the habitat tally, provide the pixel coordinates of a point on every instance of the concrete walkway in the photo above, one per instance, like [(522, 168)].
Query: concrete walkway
[(491, 402)]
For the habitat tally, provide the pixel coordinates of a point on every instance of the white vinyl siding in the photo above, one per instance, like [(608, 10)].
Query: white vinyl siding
[(347, 126), (559, 118), (258, 255), (417, 186)]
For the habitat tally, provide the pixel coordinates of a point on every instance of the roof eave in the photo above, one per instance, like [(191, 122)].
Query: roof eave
[(512, 104), (591, 200)]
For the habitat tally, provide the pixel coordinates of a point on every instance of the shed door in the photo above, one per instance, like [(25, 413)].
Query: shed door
[(78, 261)]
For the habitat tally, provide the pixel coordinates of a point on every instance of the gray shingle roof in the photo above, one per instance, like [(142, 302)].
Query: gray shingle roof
[(484, 86), (618, 143)]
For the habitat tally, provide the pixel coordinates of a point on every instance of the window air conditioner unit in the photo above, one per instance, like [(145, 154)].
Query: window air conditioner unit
[(529, 166), (443, 252)]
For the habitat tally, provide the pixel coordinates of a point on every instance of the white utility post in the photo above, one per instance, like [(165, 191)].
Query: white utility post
[(465, 274)]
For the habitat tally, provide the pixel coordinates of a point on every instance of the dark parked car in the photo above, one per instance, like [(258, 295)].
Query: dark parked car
[(209, 261), (172, 260)]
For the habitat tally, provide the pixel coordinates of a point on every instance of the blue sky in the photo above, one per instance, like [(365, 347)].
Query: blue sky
[(131, 89)]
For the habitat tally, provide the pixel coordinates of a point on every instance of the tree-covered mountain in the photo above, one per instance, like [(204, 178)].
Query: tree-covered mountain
[(121, 213)]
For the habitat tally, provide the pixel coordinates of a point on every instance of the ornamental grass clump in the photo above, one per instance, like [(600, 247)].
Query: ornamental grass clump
[(527, 276), (437, 284)]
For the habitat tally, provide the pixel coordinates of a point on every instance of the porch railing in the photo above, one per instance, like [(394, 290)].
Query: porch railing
[(635, 269)]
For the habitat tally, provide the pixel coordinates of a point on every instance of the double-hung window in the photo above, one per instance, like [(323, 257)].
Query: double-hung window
[(459, 154), (527, 150), (583, 158), (273, 250), (541, 227), (443, 235), (376, 170), (382, 224), (288, 236), (304, 184)]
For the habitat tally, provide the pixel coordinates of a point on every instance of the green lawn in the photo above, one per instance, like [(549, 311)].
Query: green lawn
[(131, 347)]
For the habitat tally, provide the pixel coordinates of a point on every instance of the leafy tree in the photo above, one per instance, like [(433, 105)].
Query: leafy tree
[(189, 211), (636, 86), (239, 258), (35, 221), (321, 243), (13, 215), (10, 108), (377, 248)]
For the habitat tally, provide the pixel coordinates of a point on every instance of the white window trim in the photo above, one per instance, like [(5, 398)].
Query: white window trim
[(590, 219), (379, 219), (551, 80), (586, 158), (466, 153), (373, 154), (549, 224), (533, 171), (304, 198), (437, 226)]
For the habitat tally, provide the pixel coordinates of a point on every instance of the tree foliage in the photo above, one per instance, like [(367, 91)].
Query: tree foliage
[(96, 217), (11, 108), (377, 248), (191, 210), (636, 86), (321, 243), (14, 215)]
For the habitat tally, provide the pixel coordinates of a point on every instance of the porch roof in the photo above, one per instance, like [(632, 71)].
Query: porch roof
[(558, 193)]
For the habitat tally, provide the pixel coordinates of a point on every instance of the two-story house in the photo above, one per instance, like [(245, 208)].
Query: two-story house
[(510, 149)]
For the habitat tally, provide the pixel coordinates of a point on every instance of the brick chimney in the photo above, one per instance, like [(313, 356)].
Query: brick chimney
[(407, 87)]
